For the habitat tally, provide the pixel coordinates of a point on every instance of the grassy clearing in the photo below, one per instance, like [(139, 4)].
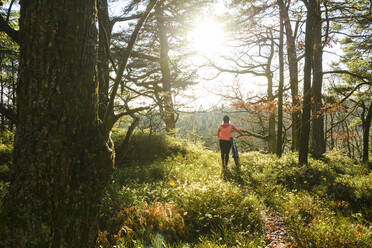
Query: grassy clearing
[(178, 200)]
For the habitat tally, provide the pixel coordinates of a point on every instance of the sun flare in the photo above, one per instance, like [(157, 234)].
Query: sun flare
[(208, 37)]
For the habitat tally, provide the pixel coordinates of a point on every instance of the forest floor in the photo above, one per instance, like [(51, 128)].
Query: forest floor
[(175, 196)]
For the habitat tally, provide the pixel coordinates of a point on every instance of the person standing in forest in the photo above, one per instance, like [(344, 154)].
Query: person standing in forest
[(224, 135)]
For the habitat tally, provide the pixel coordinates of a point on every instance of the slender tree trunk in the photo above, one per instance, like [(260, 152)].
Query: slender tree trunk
[(345, 130), (326, 128), (293, 76), (270, 97), (366, 122), (332, 138), (357, 143), (318, 145), (13, 99), (168, 114), (306, 105), (280, 91), (61, 158)]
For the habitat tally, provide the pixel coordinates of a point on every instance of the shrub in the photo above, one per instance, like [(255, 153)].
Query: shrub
[(356, 192), (330, 232), (312, 224), (342, 164), (307, 176), (212, 209), (146, 148)]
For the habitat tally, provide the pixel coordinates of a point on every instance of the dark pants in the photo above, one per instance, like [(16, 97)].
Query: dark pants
[(225, 146)]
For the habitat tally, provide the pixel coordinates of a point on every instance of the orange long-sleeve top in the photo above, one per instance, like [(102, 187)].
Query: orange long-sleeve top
[(225, 130)]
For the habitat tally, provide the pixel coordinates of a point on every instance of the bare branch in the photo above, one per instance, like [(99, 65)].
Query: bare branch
[(145, 56), (9, 10), (246, 71), (124, 18), (351, 74), (12, 33), (107, 120), (256, 135)]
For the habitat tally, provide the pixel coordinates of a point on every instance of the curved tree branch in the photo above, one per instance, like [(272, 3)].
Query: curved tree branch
[(6, 28), (351, 74), (256, 135)]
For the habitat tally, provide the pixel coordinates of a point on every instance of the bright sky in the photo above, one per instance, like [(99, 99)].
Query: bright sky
[(209, 38)]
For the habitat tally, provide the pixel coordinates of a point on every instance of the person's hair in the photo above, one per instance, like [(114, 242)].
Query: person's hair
[(226, 119)]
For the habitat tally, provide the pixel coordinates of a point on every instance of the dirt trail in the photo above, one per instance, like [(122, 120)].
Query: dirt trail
[(275, 234)]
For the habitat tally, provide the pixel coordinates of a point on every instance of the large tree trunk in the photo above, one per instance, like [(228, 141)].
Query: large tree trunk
[(168, 108), (306, 105), (293, 75), (318, 145), (61, 158), (279, 139)]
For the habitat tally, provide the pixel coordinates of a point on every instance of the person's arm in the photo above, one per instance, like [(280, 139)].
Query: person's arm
[(236, 130), (218, 133)]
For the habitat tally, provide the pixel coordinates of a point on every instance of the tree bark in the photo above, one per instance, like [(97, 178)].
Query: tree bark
[(366, 122), (105, 29), (270, 97), (306, 105), (293, 75), (318, 146), (168, 111), (61, 157), (279, 139)]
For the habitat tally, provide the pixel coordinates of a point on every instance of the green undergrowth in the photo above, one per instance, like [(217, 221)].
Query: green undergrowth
[(325, 204), (168, 192), (179, 200)]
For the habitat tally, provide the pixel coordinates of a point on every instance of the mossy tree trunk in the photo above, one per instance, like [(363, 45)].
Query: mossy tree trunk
[(61, 157)]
